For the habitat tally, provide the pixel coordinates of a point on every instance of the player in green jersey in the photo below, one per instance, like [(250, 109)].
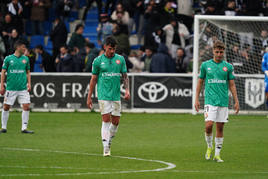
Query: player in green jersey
[(106, 73), (16, 71), (219, 77)]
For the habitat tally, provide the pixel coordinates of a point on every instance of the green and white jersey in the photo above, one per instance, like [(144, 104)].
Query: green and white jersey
[(109, 72), (16, 68), (217, 76)]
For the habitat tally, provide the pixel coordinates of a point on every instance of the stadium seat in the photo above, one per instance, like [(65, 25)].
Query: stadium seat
[(36, 40), (47, 27), (67, 24), (90, 30), (28, 27)]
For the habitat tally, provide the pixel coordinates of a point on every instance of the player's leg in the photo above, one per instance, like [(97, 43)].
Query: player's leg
[(209, 114), (116, 113), (218, 141), (24, 99), (105, 109), (222, 118), (9, 99), (4, 117), (266, 92)]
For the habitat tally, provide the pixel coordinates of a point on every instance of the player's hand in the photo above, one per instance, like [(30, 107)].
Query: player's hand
[(266, 72), (29, 88), (127, 95), (236, 107), (89, 103), (2, 91), (197, 105)]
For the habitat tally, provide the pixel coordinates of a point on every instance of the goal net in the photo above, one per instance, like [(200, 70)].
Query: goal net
[(245, 39)]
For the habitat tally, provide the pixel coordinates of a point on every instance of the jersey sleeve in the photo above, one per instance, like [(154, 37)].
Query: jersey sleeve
[(231, 73), (28, 64), (5, 64), (264, 66), (123, 67), (95, 67), (202, 71)]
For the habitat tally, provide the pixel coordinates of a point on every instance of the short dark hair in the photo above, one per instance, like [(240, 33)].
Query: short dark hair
[(40, 47), (90, 45), (19, 43), (110, 41), (218, 44), (78, 26)]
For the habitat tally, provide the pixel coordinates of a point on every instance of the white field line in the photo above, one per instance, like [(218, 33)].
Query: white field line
[(218, 172), (169, 165)]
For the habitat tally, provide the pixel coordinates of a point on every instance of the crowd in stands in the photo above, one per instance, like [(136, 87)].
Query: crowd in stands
[(164, 31)]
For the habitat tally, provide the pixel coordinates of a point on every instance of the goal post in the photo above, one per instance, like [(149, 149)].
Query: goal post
[(245, 38)]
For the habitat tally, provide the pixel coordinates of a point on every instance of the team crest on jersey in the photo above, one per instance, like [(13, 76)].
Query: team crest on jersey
[(224, 68), (118, 62), (24, 61)]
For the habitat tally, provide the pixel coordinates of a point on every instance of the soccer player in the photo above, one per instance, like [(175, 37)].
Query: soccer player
[(16, 71), (106, 72), (265, 70), (219, 77)]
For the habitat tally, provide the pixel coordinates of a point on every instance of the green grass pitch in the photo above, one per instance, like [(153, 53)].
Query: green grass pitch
[(68, 145)]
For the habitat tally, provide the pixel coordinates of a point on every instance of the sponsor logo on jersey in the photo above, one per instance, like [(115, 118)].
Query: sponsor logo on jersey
[(118, 62), (224, 68), (16, 71), (153, 92), (110, 74), (23, 61), (216, 81), (254, 92)]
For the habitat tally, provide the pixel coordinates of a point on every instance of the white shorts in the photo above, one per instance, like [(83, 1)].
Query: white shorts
[(23, 97), (113, 107), (216, 113)]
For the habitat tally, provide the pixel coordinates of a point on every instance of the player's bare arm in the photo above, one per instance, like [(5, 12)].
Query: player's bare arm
[(126, 86), (29, 80), (3, 76), (232, 88), (198, 90), (92, 84)]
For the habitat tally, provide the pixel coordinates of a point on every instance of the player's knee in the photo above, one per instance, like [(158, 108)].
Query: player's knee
[(6, 107), (26, 107)]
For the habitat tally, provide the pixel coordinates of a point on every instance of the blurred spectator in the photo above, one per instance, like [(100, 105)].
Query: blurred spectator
[(47, 61), (15, 8), (2, 51), (89, 3), (252, 7), (210, 8), (121, 16), (92, 53), (162, 61), (264, 38), (58, 36), (167, 12), (128, 63), (147, 58), (110, 6), (182, 61), (38, 15), (122, 39), (265, 8), (151, 19), (185, 12), (234, 57), (64, 61), (77, 40), (138, 65), (32, 56), (175, 36), (105, 28), (230, 9), (12, 39), (6, 28), (157, 37), (63, 8), (78, 57)]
